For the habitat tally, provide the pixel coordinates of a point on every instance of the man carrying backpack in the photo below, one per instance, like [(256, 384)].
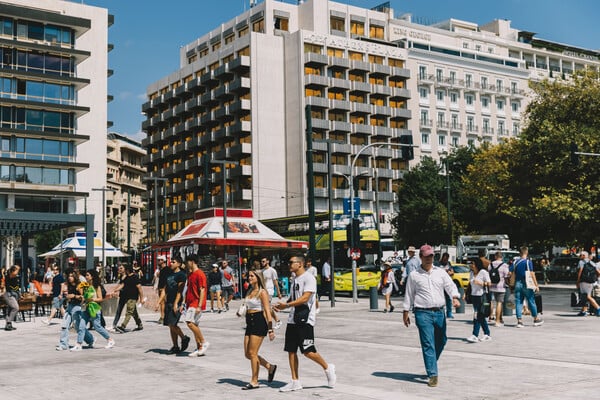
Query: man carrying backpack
[(498, 273), (587, 275)]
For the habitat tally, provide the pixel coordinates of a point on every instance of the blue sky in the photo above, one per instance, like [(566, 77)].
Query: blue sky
[(148, 34)]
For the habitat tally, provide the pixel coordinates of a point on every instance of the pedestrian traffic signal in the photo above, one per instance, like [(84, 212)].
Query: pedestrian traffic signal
[(407, 152), (574, 156)]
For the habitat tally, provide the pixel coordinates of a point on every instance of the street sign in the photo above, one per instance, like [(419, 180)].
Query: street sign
[(356, 206), (354, 254)]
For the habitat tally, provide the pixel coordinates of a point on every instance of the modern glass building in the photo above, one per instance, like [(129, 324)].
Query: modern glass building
[(53, 114)]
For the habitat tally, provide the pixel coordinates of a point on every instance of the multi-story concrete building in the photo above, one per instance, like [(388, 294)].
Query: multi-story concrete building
[(53, 111), (125, 226), (241, 92), (369, 77)]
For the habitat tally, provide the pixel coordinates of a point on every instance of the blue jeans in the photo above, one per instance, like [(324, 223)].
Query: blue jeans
[(96, 323), (480, 320), (73, 314), (432, 334), (521, 292)]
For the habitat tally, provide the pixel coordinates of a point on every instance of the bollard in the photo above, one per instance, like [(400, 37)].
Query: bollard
[(373, 298), (508, 305), (461, 309)]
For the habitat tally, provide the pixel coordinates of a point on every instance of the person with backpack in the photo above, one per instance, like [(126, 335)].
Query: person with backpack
[(587, 275), (388, 284), (498, 274)]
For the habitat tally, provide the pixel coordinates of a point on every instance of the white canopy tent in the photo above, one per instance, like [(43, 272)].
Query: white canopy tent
[(74, 245)]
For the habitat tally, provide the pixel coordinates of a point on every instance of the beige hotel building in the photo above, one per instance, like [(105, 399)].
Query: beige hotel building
[(369, 76)]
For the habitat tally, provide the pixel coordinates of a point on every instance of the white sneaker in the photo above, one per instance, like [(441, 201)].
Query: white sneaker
[(318, 311), (291, 387), (202, 351), (330, 374), (193, 353), (538, 322), (277, 325), (77, 347), (45, 321), (110, 344), (472, 339), (485, 338)]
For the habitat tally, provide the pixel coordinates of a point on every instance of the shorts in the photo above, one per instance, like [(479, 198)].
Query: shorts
[(192, 316), (498, 296), (227, 291), (300, 337), (256, 324), (387, 290), (586, 288), (215, 288), (57, 303), (171, 317)]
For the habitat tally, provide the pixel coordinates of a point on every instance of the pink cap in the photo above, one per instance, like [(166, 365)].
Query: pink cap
[(425, 250)]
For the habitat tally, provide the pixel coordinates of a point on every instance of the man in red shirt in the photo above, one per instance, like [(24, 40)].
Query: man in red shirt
[(195, 301)]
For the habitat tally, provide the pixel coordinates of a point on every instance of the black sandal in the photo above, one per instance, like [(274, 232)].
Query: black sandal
[(250, 387), (272, 370)]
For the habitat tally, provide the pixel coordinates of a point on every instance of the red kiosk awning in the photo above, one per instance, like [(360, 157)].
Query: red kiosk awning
[(242, 230)]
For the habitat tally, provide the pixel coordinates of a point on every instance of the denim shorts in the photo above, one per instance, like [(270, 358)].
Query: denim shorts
[(215, 288)]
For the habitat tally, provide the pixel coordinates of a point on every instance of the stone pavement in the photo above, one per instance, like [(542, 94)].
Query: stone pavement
[(376, 357)]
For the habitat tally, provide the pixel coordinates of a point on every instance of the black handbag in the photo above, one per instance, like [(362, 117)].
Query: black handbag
[(468, 298), (301, 314), (486, 302)]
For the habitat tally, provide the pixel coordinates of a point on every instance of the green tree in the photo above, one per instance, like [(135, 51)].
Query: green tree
[(529, 184), (422, 216), (45, 241)]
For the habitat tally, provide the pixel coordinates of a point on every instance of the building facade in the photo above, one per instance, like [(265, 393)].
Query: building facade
[(125, 227), (53, 110), (369, 77)]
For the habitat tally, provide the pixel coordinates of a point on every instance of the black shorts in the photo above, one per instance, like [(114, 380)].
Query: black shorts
[(171, 317), (256, 324), (226, 291), (300, 337)]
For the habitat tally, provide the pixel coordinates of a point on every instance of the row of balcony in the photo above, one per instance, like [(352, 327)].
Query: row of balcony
[(372, 130), (354, 86), (206, 81), (455, 127), (200, 182), (318, 60), (354, 107), (469, 85), (365, 195)]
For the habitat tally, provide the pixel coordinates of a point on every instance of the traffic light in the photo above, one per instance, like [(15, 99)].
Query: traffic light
[(407, 151), (574, 156), (353, 233)]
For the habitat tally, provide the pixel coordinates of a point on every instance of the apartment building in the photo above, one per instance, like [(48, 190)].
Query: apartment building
[(241, 94), (368, 76), (473, 80), (53, 111), (125, 227)]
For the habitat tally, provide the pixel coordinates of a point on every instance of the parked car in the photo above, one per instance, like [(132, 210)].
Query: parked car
[(462, 275), (563, 268)]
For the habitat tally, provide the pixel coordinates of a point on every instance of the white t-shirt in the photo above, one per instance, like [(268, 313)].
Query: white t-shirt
[(482, 276), (312, 270), (270, 274), (301, 284)]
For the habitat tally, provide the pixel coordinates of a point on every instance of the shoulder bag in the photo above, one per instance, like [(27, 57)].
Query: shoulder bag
[(241, 312), (301, 312), (529, 282)]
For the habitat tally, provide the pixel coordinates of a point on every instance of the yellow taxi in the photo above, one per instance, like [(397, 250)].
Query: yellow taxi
[(367, 276), (462, 275)]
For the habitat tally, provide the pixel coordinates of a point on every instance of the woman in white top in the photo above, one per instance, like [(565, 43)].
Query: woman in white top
[(480, 282), (258, 325), (388, 284)]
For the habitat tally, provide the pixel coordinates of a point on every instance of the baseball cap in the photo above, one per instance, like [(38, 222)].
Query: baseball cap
[(426, 250), (215, 265)]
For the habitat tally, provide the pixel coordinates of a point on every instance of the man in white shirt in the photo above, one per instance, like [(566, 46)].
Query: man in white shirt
[(326, 278), (425, 295), (271, 283), (299, 334)]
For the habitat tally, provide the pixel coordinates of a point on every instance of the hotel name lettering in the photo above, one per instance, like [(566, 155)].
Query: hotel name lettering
[(354, 45), (402, 33)]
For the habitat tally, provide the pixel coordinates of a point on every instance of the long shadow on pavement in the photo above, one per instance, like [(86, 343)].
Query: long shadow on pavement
[(401, 376)]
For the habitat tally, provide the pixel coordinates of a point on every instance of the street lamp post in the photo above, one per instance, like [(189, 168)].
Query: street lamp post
[(352, 244), (103, 189), (224, 190)]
